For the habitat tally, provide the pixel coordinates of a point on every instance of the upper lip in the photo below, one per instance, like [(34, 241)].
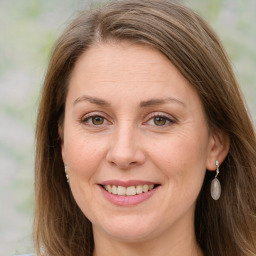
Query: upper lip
[(127, 183)]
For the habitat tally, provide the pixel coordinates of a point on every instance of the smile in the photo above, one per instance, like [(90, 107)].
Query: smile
[(129, 191)]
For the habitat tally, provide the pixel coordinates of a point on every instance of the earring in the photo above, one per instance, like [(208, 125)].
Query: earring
[(66, 172), (215, 184)]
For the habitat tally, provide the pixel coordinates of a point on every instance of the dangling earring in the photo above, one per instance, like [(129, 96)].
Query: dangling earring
[(66, 172), (215, 184)]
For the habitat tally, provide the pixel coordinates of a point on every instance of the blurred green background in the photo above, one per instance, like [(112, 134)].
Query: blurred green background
[(28, 29)]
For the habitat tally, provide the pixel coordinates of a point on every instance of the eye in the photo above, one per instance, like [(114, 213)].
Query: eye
[(97, 120), (160, 119), (94, 120)]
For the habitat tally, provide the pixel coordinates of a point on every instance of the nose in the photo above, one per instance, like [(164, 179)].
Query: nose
[(125, 149)]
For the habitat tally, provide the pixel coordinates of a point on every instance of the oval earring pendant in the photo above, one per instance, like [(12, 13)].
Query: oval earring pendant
[(215, 189)]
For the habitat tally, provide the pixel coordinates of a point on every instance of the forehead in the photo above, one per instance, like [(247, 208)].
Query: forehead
[(129, 70)]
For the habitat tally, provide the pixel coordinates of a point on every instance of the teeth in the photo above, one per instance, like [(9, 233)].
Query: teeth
[(121, 191), (109, 189), (128, 191), (145, 188), (131, 191), (139, 189), (114, 190)]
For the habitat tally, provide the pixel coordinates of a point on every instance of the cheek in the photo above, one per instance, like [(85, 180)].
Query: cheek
[(182, 160), (84, 155)]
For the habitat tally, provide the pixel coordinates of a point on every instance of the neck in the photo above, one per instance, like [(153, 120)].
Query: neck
[(182, 242)]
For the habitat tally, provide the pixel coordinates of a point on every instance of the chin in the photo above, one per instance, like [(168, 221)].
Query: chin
[(128, 229)]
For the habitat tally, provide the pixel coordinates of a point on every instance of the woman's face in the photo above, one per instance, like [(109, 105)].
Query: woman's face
[(134, 125)]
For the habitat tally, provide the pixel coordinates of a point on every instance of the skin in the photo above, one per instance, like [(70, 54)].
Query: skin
[(129, 145)]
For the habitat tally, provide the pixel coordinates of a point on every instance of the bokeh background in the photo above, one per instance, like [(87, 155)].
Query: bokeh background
[(28, 29)]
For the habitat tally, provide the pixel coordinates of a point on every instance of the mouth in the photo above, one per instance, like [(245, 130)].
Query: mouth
[(129, 191)]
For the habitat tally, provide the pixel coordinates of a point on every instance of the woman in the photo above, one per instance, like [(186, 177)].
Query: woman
[(144, 144)]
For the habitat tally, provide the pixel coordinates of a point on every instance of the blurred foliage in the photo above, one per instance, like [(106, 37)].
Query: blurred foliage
[(28, 31), (209, 9)]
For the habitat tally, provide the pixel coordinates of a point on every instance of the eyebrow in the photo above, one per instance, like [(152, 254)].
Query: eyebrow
[(148, 103), (93, 100), (153, 102)]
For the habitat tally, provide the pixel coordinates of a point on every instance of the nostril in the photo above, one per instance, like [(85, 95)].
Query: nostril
[(125, 157), (122, 165)]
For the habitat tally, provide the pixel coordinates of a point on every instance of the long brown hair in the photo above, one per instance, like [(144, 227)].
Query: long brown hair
[(224, 227)]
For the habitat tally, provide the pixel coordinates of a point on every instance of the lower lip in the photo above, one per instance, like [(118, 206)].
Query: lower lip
[(128, 200)]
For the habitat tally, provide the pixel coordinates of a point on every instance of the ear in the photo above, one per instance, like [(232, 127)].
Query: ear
[(218, 149), (61, 135)]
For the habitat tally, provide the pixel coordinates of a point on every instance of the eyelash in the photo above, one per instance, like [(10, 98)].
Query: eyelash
[(167, 118), (85, 119)]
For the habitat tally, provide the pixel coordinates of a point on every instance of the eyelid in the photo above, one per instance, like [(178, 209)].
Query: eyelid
[(162, 114), (93, 113), (168, 117), (87, 116)]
